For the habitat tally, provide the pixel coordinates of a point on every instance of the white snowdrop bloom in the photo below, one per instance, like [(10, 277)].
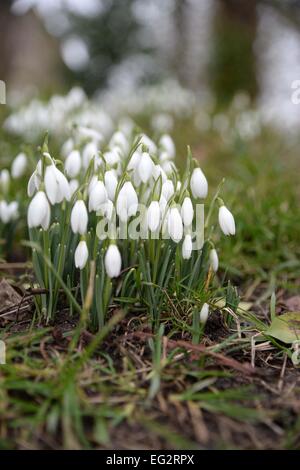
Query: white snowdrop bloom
[(187, 247), (74, 185), (134, 160), (33, 184), (162, 204), (198, 184), (98, 196), (118, 139), (112, 157), (81, 254), (175, 227), (153, 216), (79, 217), (166, 142), (39, 211), (113, 261), (145, 140), (94, 180), (90, 150), (4, 180), (92, 134), (111, 184), (67, 147), (73, 164), (56, 185), (214, 260), (163, 157), (107, 209), (145, 167), (167, 189), (169, 167), (127, 202), (157, 172), (19, 165), (9, 211), (187, 212), (226, 221), (204, 313)]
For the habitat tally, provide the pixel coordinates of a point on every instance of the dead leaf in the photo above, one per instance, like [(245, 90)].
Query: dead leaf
[(9, 297), (293, 303), (285, 327)]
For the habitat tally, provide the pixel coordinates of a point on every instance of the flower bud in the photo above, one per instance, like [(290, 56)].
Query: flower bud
[(153, 216), (81, 255), (187, 247), (79, 218), (226, 221), (175, 227), (214, 260), (19, 164), (73, 164), (113, 261), (39, 211), (187, 212), (204, 313), (198, 184)]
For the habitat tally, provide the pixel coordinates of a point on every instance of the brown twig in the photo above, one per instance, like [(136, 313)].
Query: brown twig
[(244, 368)]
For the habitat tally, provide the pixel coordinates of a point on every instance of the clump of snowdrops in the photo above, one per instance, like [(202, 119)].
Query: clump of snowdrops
[(9, 204), (115, 223)]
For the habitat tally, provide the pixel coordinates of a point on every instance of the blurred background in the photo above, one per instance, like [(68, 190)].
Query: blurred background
[(214, 48)]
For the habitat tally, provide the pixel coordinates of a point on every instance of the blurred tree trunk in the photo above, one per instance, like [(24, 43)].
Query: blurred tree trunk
[(233, 65), (5, 24)]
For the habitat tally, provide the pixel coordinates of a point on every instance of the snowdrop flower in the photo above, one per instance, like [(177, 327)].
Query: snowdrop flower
[(187, 247), (175, 227), (79, 217), (112, 157), (4, 180), (111, 184), (90, 151), (39, 211), (166, 142), (169, 167), (147, 142), (93, 182), (19, 165), (73, 164), (33, 183), (67, 147), (167, 189), (127, 202), (134, 160), (98, 196), (145, 167), (204, 313), (56, 185), (198, 183), (113, 261), (163, 204), (81, 254), (74, 185), (8, 212), (153, 216), (118, 139), (214, 260), (187, 212), (157, 172), (226, 221), (92, 134), (107, 209)]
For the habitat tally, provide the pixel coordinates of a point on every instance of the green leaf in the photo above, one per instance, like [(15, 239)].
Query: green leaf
[(286, 327)]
